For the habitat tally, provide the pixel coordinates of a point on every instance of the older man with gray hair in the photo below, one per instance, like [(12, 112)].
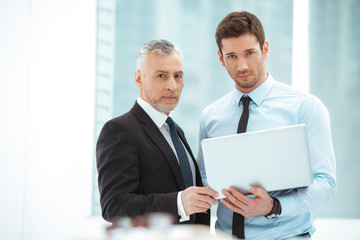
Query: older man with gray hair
[(143, 159)]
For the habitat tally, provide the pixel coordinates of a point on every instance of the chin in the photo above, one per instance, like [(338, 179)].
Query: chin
[(166, 109), (246, 85)]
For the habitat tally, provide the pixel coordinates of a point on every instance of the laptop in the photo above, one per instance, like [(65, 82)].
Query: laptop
[(272, 159)]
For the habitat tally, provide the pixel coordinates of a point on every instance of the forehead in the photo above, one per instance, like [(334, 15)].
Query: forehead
[(241, 43), (156, 61)]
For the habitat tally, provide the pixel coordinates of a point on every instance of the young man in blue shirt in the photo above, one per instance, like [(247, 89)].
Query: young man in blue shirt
[(286, 214)]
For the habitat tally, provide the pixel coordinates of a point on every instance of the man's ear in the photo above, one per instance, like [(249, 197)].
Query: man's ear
[(266, 49), (221, 59), (138, 80)]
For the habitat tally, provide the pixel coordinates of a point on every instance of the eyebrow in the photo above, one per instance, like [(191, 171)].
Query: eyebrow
[(246, 50), (250, 49), (162, 71), (230, 53)]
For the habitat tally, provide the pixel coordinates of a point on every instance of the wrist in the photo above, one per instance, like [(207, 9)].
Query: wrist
[(275, 210), (181, 211)]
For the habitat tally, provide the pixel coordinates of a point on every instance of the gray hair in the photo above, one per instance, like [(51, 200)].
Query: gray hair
[(161, 46)]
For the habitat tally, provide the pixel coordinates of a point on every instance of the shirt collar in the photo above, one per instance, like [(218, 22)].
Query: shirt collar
[(158, 118), (257, 95)]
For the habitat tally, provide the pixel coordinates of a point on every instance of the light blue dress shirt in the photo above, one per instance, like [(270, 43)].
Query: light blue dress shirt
[(273, 105)]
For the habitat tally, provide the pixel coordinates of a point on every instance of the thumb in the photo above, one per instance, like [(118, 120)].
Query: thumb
[(257, 191)]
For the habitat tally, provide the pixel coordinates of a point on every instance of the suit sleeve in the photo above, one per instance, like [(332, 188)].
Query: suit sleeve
[(119, 176)]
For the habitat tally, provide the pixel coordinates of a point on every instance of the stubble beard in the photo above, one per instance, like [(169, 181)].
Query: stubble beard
[(164, 109), (249, 83), (254, 79)]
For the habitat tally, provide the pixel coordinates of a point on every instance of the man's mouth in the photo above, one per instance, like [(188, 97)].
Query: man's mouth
[(170, 98), (244, 76)]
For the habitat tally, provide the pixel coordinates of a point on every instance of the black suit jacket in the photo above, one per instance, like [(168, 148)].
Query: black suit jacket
[(138, 170)]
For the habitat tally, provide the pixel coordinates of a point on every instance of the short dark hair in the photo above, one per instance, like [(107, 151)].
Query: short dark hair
[(236, 24)]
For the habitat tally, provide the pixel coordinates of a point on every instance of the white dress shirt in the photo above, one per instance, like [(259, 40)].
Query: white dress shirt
[(159, 118)]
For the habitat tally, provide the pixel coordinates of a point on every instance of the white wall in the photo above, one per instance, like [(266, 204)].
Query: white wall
[(47, 78)]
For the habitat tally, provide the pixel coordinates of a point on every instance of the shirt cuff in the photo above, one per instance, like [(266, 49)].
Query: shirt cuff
[(181, 211), (288, 205)]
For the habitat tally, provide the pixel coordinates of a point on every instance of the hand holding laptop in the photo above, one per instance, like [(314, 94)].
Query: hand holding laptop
[(198, 199), (246, 206)]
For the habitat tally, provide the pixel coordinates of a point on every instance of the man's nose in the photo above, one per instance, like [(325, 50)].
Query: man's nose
[(241, 65), (172, 84)]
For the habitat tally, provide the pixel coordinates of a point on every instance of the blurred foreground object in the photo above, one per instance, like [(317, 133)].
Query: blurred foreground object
[(159, 226)]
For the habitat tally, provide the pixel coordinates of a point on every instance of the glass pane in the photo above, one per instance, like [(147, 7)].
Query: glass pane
[(191, 25), (334, 78)]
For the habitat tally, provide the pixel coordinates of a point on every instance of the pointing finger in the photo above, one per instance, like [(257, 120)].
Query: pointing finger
[(238, 195), (208, 191)]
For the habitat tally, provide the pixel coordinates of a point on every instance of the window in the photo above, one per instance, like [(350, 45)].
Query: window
[(333, 66)]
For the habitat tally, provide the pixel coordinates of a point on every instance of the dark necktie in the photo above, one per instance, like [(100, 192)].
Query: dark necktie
[(238, 219), (181, 153)]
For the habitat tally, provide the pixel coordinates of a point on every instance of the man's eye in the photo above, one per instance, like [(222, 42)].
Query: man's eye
[(178, 76), (249, 52), (161, 75), (231, 56)]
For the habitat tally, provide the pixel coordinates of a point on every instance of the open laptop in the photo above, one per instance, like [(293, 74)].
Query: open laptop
[(273, 159)]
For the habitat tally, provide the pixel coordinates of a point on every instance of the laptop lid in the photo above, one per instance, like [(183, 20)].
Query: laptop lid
[(273, 159)]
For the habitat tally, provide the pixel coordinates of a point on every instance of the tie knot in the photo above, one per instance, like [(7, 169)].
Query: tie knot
[(170, 121), (245, 100)]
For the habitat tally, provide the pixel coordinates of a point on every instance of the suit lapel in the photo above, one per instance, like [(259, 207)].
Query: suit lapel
[(156, 136)]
